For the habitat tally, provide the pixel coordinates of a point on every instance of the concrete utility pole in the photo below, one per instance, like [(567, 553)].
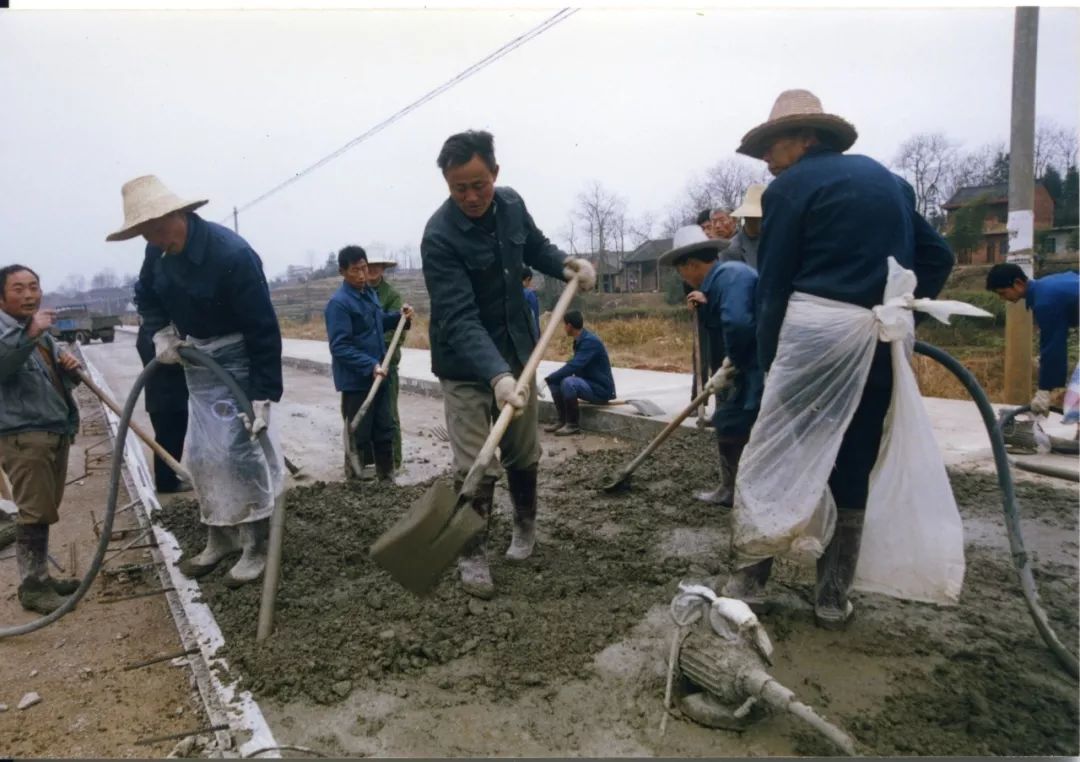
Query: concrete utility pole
[(235, 221), (1018, 330)]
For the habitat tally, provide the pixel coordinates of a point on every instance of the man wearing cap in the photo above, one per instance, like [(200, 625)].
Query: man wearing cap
[(391, 301), (586, 377), (1054, 300), (831, 221), (723, 294), (202, 285), (38, 421), (744, 246), (482, 331)]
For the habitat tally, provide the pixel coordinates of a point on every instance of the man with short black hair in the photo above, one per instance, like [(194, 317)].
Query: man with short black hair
[(1053, 301), (482, 331), (355, 328), (38, 422), (586, 377)]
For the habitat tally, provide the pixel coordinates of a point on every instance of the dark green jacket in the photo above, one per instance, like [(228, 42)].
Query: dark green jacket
[(481, 325), (390, 299)]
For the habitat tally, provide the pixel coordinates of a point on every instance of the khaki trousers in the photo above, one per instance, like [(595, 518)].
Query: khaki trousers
[(470, 411), (36, 465)]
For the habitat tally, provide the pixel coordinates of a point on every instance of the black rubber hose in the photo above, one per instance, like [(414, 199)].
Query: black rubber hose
[(1008, 500), (107, 521)]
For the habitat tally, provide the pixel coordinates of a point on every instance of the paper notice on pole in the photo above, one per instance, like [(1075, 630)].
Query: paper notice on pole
[(1021, 228)]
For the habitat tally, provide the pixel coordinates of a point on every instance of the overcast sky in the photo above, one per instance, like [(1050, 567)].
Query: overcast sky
[(226, 105)]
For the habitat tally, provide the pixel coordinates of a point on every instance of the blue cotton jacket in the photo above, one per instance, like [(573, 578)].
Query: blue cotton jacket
[(481, 326), (830, 222), (534, 304), (355, 326), (589, 363), (213, 287), (1053, 301), (730, 289)]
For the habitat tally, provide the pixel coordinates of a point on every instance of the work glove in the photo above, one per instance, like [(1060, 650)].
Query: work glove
[(506, 393), (261, 409), (723, 376), (584, 271), (166, 342), (1040, 403)]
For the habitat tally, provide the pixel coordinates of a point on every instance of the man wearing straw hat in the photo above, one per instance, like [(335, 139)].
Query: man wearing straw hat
[(202, 285), (482, 331), (722, 294), (355, 328), (391, 301), (831, 222), (744, 246)]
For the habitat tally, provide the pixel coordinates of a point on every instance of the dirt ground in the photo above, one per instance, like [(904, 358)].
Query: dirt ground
[(90, 706), (570, 657)]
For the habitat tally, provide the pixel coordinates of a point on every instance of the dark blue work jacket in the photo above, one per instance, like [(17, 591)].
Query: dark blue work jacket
[(481, 325), (830, 222), (1053, 301), (214, 287), (590, 363), (355, 328)]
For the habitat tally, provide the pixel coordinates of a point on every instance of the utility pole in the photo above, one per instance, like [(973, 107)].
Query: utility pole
[(235, 221), (1021, 226)]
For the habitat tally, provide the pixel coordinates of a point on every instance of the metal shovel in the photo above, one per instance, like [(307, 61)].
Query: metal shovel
[(418, 548), (721, 380), (352, 425)]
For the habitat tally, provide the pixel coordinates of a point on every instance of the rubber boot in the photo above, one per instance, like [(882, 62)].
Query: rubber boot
[(523, 495), (836, 572), (64, 585), (573, 418), (254, 539), (724, 494), (384, 461), (560, 410), (473, 563), (31, 549), (748, 584), (220, 542)]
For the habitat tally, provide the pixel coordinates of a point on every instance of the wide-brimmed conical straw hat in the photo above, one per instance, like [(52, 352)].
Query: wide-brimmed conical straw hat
[(687, 240), (146, 198), (795, 109), (751, 203)]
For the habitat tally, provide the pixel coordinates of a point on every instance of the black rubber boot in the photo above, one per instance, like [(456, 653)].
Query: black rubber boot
[(31, 554), (560, 410), (748, 584), (523, 494), (573, 418), (64, 585), (473, 563), (836, 572), (384, 461), (724, 494)]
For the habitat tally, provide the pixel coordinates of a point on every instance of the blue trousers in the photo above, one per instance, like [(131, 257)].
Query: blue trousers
[(573, 387)]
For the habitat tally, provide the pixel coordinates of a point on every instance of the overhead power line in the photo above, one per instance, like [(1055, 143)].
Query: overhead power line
[(517, 42)]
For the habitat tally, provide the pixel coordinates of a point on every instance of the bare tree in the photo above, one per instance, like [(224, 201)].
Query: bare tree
[(106, 278), (73, 285), (602, 215), (640, 229), (724, 183), (928, 161)]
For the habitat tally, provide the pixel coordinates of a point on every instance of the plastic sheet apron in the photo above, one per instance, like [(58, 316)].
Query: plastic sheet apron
[(233, 481), (912, 538)]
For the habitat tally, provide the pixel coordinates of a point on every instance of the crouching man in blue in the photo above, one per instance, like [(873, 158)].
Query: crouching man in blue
[(355, 327), (586, 377), (723, 294), (1054, 300), (830, 223), (202, 285), (474, 249)]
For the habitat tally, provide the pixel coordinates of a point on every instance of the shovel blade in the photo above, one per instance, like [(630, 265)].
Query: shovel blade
[(646, 407), (428, 538), (621, 483)]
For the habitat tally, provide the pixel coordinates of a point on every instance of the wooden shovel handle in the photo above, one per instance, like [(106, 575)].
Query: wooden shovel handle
[(140, 432), (354, 424), (472, 479)]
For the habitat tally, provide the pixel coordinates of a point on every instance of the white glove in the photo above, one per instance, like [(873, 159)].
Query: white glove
[(584, 271), (262, 418), (166, 342), (1040, 403), (506, 393), (723, 376)]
